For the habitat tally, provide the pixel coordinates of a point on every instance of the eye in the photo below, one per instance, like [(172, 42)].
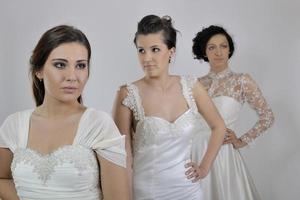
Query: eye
[(210, 48), (155, 49), (81, 65), (59, 65), (141, 51), (224, 46)]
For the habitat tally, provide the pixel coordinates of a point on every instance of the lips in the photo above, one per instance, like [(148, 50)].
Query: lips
[(149, 66), (219, 59), (69, 89)]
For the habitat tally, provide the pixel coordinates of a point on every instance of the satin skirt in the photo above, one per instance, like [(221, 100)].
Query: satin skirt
[(229, 178)]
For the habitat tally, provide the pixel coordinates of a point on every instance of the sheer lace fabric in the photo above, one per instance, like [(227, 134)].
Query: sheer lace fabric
[(242, 88)]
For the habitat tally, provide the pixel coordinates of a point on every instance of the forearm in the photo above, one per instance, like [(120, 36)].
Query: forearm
[(8, 190), (260, 127), (215, 142), (256, 100)]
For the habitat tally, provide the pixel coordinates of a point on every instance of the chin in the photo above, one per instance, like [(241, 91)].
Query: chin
[(69, 99), (151, 74)]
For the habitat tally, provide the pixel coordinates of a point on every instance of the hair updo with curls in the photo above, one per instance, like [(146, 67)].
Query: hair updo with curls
[(154, 24), (202, 38)]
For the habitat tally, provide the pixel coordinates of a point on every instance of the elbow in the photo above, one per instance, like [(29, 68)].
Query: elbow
[(223, 130), (220, 129)]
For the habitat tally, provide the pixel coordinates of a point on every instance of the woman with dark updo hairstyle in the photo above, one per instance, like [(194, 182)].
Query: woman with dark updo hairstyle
[(159, 115), (229, 178), (56, 150)]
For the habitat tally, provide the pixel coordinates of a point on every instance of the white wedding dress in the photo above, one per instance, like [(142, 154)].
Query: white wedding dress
[(229, 178), (70, 172), (162, 148)]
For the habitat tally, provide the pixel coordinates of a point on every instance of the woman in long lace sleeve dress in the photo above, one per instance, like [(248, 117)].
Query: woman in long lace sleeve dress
[(54, 151), (229, 178), (159, 114)]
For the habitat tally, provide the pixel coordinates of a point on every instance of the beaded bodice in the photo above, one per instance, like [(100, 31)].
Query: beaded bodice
[(148, 128)]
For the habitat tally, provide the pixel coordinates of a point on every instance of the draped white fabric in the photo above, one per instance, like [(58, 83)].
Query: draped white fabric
[(70, 172)]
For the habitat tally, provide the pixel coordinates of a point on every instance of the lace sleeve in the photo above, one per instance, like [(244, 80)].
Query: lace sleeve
[(253, 95), (133, 102)]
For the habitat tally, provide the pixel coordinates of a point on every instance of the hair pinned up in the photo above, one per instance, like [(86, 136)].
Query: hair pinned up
[(154, 24)]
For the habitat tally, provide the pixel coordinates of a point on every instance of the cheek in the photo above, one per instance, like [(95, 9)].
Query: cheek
[(228, 52), (208, 54), (83, 77), (165, 57), (52, 80), (141, 58)]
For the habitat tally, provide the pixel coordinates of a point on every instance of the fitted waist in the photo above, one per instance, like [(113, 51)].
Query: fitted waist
[(44, 192)]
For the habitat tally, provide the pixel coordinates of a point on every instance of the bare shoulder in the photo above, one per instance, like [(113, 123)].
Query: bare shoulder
[(123, 91), (198, 89)]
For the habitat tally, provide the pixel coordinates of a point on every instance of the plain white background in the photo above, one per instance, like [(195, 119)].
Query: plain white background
[(266, 34)]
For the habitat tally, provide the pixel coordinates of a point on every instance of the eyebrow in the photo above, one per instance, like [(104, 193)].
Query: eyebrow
[(216, 44), (156, 45), (59, 59), (83, 60), (64, 60)]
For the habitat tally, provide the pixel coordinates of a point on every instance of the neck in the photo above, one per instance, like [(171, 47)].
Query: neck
[(218, 68), (161, 82), (52, 109)]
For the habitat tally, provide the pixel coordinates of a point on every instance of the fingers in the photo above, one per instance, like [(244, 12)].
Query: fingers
[(229, 130), (193, 172), (192, 175), (230, 137), (190, 171), (197, 178), (190, 164), (229, 141)]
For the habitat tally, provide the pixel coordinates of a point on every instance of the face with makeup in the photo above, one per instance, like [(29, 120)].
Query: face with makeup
[(65, 72), (154, 55), (217, 52)]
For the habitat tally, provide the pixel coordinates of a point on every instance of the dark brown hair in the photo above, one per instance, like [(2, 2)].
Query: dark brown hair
[(154, 24), (50, 40)]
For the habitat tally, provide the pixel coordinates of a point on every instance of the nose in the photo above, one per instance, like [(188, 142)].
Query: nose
[(71, 74), (219, 51), (147, 57)]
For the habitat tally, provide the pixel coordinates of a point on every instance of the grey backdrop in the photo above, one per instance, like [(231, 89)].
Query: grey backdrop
[(266, 33)]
